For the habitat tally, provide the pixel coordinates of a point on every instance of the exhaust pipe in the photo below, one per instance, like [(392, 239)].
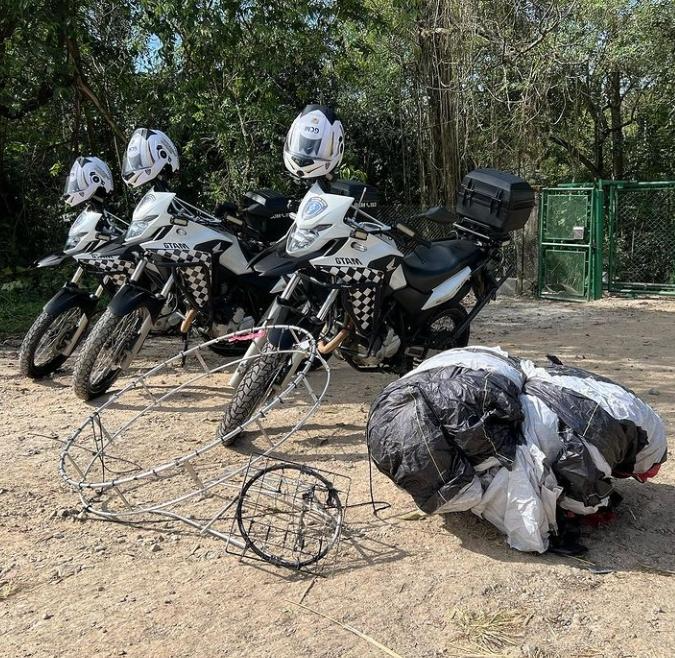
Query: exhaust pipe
[(187, 321), (335, 342)]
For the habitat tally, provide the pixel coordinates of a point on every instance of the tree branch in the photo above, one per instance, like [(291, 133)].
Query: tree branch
[(575, 152), (44, 94), (86, 89)]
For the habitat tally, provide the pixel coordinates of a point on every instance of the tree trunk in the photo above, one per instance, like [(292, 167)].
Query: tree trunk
[(437, 41), (614, 101)]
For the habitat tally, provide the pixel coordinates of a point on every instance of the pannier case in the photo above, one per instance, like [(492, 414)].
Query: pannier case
[(495, 199), (266, 214), (355, 188)]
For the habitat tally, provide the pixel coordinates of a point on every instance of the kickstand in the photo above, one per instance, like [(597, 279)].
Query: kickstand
[(186, 343)]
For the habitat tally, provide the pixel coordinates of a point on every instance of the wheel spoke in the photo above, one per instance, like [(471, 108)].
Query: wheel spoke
[(57, 336), (118, 345)]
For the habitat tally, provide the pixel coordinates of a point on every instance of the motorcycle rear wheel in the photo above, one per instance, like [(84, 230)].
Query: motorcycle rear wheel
[(439, 331)]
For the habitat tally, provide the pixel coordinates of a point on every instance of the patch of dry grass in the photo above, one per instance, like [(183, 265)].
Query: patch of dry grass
[(488, 634), (7, 589)]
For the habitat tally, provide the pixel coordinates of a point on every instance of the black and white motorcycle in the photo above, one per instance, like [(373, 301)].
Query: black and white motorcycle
[(94, 241), (207, 258), (364, 299)]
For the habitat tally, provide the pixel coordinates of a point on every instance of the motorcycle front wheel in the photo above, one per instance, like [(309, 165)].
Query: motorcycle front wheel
[(42, 348), (251, 392), (102, 358)]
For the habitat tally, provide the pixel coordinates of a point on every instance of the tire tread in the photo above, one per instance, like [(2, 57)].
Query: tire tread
[(29, 345)]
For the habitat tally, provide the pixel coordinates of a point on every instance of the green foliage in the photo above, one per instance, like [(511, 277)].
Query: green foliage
[(23, 294), (556, 90)]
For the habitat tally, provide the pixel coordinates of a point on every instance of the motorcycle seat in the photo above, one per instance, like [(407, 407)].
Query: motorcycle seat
[(427, 267)]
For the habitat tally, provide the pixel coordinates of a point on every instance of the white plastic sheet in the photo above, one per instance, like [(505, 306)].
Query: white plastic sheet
[(521, 502)]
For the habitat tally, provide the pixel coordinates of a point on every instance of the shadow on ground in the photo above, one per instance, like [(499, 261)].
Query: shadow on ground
[(641, 538)]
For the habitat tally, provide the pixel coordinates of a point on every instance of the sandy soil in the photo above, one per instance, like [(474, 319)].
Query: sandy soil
[(440, 586)]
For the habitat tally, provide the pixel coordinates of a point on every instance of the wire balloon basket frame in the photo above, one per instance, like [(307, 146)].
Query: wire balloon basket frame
[(152, 450)]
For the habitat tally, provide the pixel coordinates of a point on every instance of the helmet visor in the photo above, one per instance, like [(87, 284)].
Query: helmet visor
[(308, 147), (138, 154), (76, 181)]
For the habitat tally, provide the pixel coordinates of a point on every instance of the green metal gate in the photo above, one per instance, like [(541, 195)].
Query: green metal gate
[(641, 237), (633, 251), (570, 240)]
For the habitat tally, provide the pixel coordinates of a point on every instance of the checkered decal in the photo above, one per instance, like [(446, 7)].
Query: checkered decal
[(116, 268), (197, 279), (361, 299)]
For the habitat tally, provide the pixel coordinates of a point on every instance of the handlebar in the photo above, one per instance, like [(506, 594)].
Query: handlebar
[(408, 232), (382, 228)]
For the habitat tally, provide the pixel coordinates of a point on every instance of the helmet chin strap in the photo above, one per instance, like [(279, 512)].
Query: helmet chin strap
[(97, 200), (161, 183)]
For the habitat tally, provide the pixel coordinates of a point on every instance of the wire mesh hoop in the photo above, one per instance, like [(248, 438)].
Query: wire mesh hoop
[(135, 458), (289, 515), (136, 453)]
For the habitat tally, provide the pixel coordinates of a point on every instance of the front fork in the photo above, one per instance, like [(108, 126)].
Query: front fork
[(149, 321), (256, 345), (270, 317), (84, 320), (298, 357)]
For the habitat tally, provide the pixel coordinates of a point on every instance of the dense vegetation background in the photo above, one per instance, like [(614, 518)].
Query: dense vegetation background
[(554, 90)]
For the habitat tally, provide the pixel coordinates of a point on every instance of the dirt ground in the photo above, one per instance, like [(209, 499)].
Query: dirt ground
[(439, 586)]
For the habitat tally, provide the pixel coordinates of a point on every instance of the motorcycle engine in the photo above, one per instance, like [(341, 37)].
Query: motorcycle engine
[(384, 348), (230, 319), (168, 319)]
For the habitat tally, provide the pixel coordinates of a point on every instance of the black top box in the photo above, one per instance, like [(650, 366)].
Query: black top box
[(365, 195), (495, 199), (266, 213), (265, 203)]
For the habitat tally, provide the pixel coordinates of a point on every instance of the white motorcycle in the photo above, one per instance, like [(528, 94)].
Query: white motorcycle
[(379, 296), (207, 257), (94, 241)]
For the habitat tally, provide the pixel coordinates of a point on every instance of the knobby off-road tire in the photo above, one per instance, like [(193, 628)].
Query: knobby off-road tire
[(60, 327), (113, 334), (452, 316), (251, 392)]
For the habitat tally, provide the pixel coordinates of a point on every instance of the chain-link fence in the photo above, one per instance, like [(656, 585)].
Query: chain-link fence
[(519, 255), (641, 225)]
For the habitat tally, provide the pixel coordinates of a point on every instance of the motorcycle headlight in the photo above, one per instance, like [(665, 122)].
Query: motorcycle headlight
[(74, 238), (302, 238), (138, 226)]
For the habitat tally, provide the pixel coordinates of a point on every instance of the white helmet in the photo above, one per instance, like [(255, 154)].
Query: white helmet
[(148, 152), (88, 176), (315, 143)]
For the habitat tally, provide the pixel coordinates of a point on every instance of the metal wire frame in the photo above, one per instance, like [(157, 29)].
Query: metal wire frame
[(289, 515), (103, 438), (210, 501)]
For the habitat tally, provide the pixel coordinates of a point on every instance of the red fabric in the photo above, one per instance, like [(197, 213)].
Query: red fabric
[(643, 477), (603, 517), (640, 477), (594, 520)]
